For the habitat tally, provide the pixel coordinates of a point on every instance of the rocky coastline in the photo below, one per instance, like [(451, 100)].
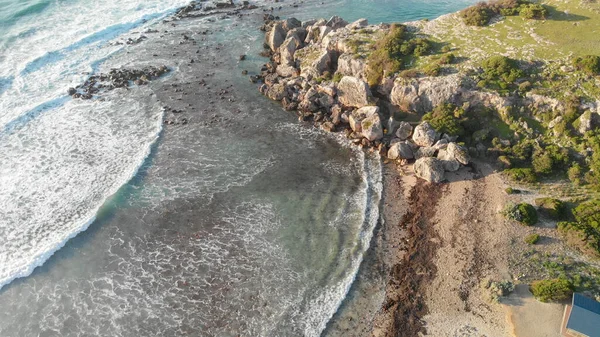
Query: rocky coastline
[(303, 57)]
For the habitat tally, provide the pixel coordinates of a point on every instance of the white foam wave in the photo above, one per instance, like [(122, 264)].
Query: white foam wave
[(59, 169)]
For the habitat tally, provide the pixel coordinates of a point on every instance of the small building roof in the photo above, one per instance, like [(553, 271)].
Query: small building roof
[(585, 316)]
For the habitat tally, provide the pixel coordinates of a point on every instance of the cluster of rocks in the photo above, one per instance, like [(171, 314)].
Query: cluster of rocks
[(303, 53), (435, 154), (116, 78)]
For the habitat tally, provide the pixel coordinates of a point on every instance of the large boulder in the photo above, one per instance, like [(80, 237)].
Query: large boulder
[(404, 130), (299, 33), (450, 164), (357, 116), (336, 22), (276, 36), (291, 23), (588, 121), (430, 169), (425, 135), (277, 92), (371, 127), (285, 70), (423, 94), (401, 150), (452, 156), (353, 92), (458, 152)]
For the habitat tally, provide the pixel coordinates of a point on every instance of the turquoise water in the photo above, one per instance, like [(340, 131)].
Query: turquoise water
[(261, 223)]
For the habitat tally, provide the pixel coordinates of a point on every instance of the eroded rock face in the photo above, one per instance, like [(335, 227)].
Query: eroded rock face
[(424, 94), (401, 150), (405, 94), (350, 66), (404, 131), (353, 92), (360, 23), (276, 92), (430, 169), (425, 135)]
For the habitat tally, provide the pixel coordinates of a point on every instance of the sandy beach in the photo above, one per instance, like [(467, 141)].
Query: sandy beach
[(444, 241)]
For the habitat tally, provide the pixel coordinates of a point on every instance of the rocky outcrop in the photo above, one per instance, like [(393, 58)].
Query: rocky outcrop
[(423, 94), (353, 92), (371, 127), (430, 169)]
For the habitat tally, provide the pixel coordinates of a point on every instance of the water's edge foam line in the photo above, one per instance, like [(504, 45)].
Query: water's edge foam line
[(40, 259)]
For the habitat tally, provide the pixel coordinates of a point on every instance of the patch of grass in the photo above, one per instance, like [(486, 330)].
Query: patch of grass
[(523, 175)]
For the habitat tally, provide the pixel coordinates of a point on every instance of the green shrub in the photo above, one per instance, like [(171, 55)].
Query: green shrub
[(445, 119), (552, 208), (502, 69), (546, 160), (589, 64), (447, 59), (551, 290), (525, 175), (532, 239), (392, 51), (478, 15), (510, 190), (523, 213), (533, 11)]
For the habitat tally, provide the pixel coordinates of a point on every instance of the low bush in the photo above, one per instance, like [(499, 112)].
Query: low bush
[(533, 11), (501, 71), (445, 118), (551, 290), (524, 175), (523, 213), (478, 15), (532, 239), (481, 13)]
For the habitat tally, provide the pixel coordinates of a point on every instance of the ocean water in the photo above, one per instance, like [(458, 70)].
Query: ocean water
[(113, 224)]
